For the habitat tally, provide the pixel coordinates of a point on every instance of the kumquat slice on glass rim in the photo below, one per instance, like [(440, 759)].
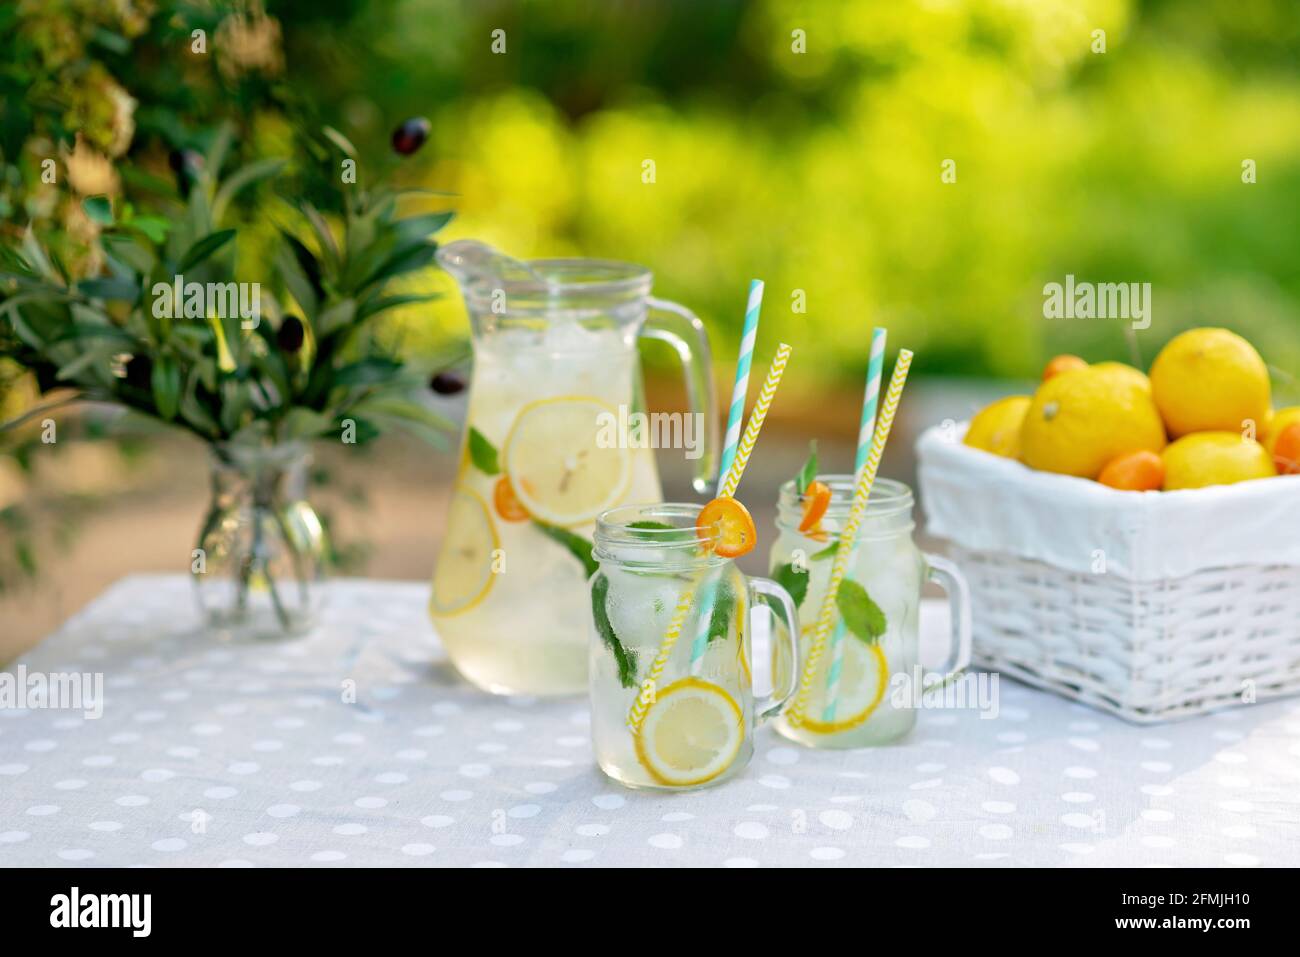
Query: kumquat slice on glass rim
[(728, 527), (816, 499)]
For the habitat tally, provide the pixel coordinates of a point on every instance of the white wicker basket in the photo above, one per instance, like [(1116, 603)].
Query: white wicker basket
[(1151, 606)]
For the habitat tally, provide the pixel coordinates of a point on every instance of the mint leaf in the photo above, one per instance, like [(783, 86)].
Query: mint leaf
[(578, 546), (861, 615), (483, 453), (648, 526), (809, 470), (625, 659), (793, 581), (827, 552), (720, 617)]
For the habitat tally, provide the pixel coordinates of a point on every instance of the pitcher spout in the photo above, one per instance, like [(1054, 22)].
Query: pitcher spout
[(471, 261)]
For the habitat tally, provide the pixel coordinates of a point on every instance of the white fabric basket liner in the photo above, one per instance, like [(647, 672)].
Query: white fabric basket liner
[(987, 503)]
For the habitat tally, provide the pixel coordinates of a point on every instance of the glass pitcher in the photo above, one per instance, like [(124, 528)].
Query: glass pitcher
[(556, 433)]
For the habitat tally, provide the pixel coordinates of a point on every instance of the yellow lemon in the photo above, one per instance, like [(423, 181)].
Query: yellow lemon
[(996, 428), (1125, 372), (22, 392), (691, 734), (1210, 380), (464, 574), (1082, 419), (1215, 458), (1278, 422), (563, 467)]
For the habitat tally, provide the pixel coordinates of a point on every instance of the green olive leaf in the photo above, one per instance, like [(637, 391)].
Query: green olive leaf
[(99, 209)]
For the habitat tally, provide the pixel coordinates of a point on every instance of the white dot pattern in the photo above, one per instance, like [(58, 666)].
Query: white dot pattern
[(251, 757)]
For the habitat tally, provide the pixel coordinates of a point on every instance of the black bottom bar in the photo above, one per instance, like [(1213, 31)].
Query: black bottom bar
[(619, 907)]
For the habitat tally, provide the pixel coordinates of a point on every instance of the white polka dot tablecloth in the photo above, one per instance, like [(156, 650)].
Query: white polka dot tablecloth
[(357, 745)]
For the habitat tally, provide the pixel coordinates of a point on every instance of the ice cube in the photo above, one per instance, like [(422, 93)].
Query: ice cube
[(641, 607)]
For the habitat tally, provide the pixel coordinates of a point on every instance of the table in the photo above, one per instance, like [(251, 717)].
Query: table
[(210, 754)]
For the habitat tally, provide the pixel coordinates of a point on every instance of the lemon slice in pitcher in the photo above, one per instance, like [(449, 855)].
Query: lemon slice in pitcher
[(566, 462), (691, 734), (463, 575), (863, 677)]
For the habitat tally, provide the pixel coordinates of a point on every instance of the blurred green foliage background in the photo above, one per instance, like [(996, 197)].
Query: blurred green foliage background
[(800, 141), (820, 171)]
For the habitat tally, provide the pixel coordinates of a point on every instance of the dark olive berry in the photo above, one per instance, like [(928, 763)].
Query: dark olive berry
[(139, 372), (410, 136), (447, 383), (290, 334), (186, 164)]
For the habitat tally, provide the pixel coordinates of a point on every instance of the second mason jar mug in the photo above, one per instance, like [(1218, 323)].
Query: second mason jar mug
[(672, 700), (860, 692)]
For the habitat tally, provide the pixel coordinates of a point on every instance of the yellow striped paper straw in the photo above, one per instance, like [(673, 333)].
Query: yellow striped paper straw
[(774, 373), (740, 456), (849, 534), (646, 697)]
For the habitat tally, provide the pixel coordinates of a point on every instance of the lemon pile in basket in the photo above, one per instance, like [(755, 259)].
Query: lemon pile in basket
[(1203, 416)]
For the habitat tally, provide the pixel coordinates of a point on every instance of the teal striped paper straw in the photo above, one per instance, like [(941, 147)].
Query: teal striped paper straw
[(708, 596), (748, 336), (870, 402), (875, 370), (746, 359)]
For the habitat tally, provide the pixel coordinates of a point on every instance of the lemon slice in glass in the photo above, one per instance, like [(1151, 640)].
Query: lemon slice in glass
[(691, 734), (565, 464), (463, 575), (862, 687)]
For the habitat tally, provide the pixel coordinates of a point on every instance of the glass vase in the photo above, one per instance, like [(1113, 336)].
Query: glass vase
[(258, 567)]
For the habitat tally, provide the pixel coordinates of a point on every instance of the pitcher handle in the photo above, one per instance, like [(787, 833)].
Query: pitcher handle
[(949, 577), (682, 329), (764, 591)]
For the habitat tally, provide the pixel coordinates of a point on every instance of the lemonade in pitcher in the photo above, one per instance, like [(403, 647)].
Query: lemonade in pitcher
[(547, 448)]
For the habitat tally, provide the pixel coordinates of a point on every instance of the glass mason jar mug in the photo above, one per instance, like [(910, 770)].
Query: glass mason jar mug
[(672, 700), (258, 565), (555, 434), (859, 693)]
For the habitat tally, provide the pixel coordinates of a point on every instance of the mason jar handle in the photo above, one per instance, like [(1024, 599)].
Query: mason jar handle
[(764, 591), (680, 328), (949, 577)]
